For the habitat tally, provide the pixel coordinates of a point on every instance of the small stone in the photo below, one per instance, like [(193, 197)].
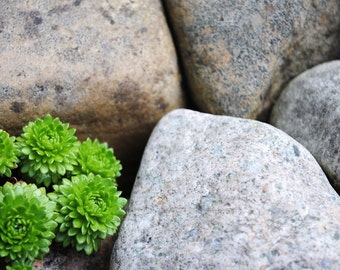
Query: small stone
[(218, 192), (309, 111), (107, 67), (238, 55)]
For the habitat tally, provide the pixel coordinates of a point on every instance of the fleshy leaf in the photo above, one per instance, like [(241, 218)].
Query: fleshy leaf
[(26, 225), (8, 154), (94, 157), (47, 147), (88, 204)]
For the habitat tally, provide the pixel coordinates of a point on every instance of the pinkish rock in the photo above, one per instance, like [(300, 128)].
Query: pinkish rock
[(218, 192), (109, 68)]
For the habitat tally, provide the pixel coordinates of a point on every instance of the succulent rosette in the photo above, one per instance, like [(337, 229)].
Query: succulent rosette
[(48, 150), (8, 154), (97, 158), (89, 208), (26, 222)]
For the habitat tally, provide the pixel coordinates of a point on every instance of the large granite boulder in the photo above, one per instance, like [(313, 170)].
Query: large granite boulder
[(238, 55), (309, 111), (107, 67), (217, 192)]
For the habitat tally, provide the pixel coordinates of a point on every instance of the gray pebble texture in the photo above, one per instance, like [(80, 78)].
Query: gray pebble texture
[(309, 111), (217, 192), (239, 54)]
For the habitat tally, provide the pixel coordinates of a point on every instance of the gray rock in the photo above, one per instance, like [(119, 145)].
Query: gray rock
[(238, 55), (107, 67), (309, 111), (217, 192)]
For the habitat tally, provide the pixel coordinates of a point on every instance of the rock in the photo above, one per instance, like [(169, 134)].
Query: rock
[(309, 111), (104, 66), (218, 192), (238, 55)]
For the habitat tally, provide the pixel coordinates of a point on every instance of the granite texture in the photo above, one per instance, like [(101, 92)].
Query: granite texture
[(238, 55), (217, 192), (309, 111), (107, 67)]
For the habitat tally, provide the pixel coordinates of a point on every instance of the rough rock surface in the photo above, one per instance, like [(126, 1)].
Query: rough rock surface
[(238, 55), (309, 111), (217, 192), (107, 67)]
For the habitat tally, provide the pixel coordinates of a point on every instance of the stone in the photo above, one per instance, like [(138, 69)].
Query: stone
[(219, 192), (309, 111), (239, 55), (104, 66)]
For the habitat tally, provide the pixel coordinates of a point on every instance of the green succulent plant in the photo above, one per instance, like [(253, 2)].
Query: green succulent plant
[(8, 154), (48, 150), (89, 208), (20, 266), (26, 222), (97, 158)]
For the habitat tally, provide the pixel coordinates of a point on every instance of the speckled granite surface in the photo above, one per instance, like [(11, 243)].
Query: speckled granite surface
[(239, 54), (216, 192), (309, 111)]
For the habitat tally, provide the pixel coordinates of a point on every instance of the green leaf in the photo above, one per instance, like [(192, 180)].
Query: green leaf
[(25, 150), (98, 159), (49, 234), (47, 147), (61, 237), (44, 242), (61, 170), (77, 223), (44, 169), (3, 253), (89, 205), (53, 167), (8, 154), (72, 231), (25, 212), (88, 249), (80, 238), (63, 227)]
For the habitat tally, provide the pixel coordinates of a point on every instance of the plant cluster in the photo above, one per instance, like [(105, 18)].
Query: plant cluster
[(68, 193)]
